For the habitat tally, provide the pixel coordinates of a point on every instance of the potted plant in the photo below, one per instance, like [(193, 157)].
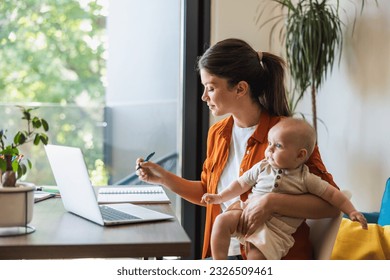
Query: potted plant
[(16, 198), (312, 37)]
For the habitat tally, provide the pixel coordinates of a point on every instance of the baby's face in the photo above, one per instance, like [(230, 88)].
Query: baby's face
[(282, 151)]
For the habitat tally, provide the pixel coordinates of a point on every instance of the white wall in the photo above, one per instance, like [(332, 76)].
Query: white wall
[(354, 104)]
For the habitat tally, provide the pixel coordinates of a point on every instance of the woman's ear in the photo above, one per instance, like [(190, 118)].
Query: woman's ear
[(242, 88)]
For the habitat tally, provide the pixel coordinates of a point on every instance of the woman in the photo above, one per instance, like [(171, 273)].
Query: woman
[(249, 86)]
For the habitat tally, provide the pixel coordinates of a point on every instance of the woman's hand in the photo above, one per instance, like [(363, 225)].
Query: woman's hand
[(150, 172), (153, 173), (257, 210)]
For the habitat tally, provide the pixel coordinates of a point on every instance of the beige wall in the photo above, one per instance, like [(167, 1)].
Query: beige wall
[(353, 105)]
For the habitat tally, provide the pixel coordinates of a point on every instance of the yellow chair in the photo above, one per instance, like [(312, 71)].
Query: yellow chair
[(353, 243)]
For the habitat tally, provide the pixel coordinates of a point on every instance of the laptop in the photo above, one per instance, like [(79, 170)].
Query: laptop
[(78, 195)]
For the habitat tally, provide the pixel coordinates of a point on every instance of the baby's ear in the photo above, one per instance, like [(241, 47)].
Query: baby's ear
[(302, 155)]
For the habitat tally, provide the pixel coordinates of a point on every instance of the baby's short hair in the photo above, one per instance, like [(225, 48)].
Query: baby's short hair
[(303, 130)]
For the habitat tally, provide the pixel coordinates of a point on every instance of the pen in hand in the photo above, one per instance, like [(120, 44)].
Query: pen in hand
[(146, 159)]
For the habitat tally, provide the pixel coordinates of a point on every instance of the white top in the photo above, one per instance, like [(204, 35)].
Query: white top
[(231, 172)]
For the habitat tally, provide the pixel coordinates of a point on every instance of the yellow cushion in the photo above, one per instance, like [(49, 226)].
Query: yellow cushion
[(355, 243)]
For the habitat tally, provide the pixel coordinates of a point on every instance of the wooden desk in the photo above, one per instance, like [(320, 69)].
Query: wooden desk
[(61, 235)]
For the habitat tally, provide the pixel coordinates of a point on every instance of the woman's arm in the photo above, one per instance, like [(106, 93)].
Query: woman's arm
[(153, 173), (303, 206), (260, 208)]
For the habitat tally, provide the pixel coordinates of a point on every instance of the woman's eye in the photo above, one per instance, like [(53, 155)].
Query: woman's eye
[(278, 146)]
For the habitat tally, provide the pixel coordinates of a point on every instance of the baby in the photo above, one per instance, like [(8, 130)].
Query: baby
[(290, 143)]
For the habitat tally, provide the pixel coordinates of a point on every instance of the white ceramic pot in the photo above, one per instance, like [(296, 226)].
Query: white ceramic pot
[(16, 205)]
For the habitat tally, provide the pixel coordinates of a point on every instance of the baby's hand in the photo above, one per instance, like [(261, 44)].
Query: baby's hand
[(209, 198), (358, 217)]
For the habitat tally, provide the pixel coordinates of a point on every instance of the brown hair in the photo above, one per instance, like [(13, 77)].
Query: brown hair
[(235, 60)]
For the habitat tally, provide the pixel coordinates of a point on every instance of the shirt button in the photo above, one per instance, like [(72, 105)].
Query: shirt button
[(278, 177), (280, 171), (276, 185)]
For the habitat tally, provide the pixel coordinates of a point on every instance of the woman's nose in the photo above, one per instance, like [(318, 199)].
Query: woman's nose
[(204, 96)]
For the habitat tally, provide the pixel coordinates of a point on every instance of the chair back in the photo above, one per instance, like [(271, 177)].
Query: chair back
[(323, 233)]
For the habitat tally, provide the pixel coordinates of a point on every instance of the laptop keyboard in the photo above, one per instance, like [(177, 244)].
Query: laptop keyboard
[(111, 214)]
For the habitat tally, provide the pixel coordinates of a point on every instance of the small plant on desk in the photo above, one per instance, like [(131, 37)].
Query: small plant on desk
[(13, 165)]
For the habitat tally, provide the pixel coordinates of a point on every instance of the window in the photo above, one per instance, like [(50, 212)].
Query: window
[(104, 74), (53, 56)]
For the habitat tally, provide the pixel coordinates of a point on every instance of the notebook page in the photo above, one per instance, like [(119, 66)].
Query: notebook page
[(133, 194)]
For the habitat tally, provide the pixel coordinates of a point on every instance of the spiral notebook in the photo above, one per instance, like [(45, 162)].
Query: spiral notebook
[(133, 194)]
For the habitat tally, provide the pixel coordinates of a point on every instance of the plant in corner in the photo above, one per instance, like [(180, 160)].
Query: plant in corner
[(12, 163), (312, 36)]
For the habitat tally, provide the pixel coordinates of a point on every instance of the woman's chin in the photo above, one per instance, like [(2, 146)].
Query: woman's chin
[(214, 112)]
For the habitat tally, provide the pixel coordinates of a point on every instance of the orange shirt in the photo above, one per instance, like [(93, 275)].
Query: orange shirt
[(218, 144)]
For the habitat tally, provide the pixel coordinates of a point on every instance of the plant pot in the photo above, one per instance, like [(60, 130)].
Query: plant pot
[(16, 208)]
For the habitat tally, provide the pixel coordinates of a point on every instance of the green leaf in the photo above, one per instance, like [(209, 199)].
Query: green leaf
[(10, 150), (20, 138), (36, 122), (29, 163), (3, 164), (15, 165), (44, 138), (26, 115), (36, 139), (22, 169), (45, 125)]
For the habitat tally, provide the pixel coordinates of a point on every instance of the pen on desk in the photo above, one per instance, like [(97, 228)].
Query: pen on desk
[(146, 159)]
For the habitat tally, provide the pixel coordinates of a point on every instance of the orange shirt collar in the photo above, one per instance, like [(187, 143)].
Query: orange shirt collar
[(260, 134)]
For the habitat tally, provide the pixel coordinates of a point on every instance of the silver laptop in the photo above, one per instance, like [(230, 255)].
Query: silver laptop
[(78, 195)]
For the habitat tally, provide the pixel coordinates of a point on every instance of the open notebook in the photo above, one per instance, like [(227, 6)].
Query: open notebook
[(133, 194)]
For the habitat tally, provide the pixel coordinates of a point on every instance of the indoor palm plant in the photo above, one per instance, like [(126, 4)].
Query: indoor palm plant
[(17, 199), (313, 37)]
